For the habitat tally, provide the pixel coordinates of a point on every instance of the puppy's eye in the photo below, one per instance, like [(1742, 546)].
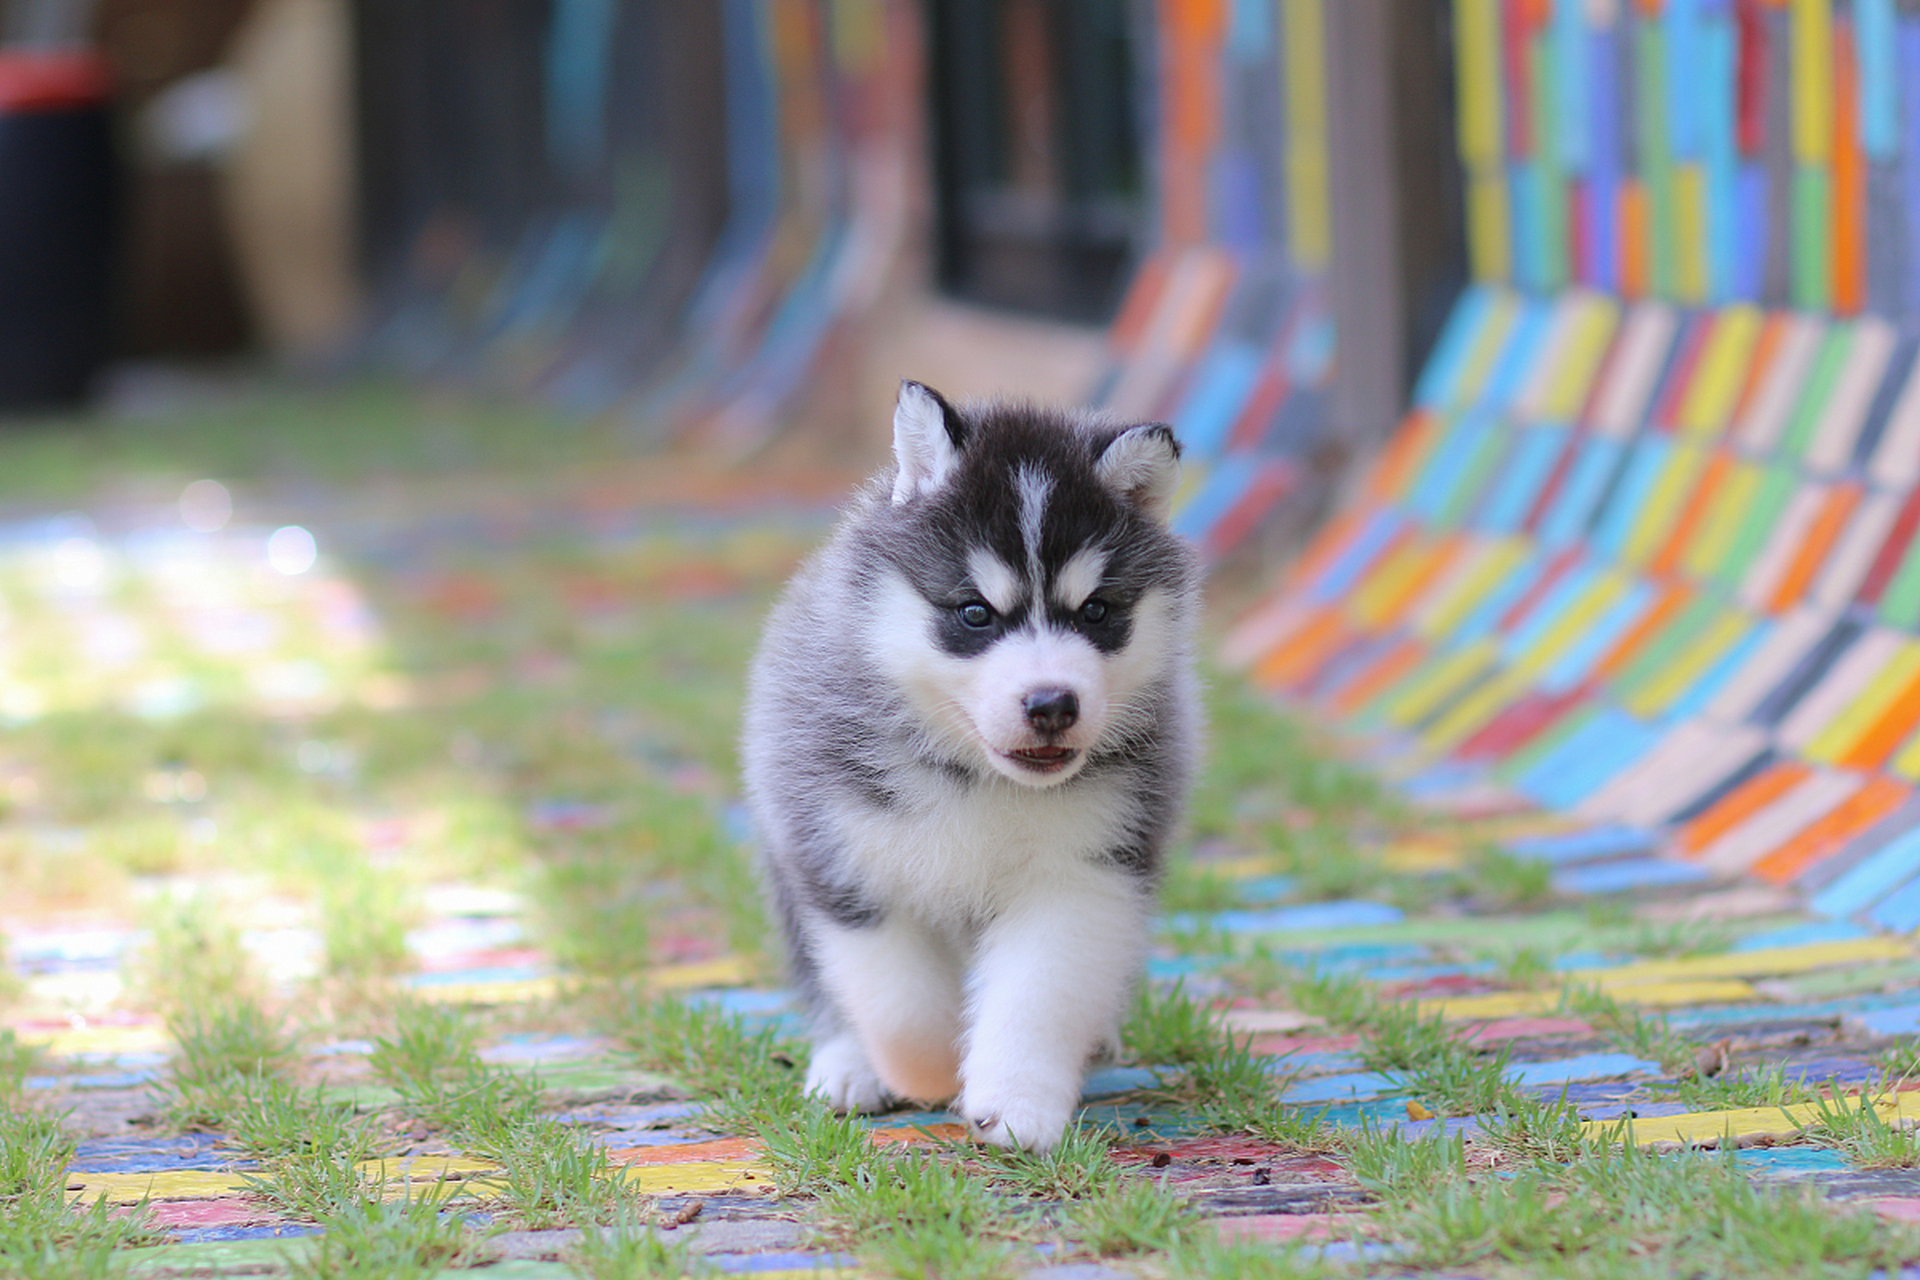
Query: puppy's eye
[(976, 615), (1093, 612)]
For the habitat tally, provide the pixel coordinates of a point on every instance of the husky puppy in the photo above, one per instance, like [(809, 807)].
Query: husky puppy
[(970, 730)]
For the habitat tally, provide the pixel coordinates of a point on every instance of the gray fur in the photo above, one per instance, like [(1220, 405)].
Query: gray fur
[(831, 739)]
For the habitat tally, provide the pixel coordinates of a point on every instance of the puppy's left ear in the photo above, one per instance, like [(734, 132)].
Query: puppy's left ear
[(1142, 465), (927, 438)]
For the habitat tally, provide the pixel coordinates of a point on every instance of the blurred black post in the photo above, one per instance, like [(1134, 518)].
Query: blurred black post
[(56, 225)]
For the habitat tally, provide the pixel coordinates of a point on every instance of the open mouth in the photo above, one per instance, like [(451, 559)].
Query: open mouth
[(1043, 759)]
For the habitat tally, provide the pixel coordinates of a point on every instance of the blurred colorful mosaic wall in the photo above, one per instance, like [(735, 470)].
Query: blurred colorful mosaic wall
[(1702, 151), (706, 220), (1226, 330), (1644, 549)]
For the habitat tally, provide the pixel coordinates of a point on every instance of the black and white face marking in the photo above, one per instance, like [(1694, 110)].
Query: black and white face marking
[(1020, 571)]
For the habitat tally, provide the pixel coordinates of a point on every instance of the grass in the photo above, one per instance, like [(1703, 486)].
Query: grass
[(503, 697), (1766, 1085), (277, 1121), (310, 1151), (1447, 1074), (364, 917), (1381, 1162), (1495, 880), (1081, 1167), (1202, 1255), (1619, 1212), (221, 1049), (1171, 1029), (1211, 1072), (1899, 1061), (41, 1233), (379, 1239), (1554, 1204), (1544, 1131), (18, 1060), (641, 715), (1343, 1000), (1269, 773), (813, 1151), (913, 1214), (432, 1061), (193, 956), (627, 1249), (746, 1077), (551, 1173), (255, 434), (1852, 1126), (10, 984), (427, 1044), (555, 1176), (1129, 1216), (1645, 1037)]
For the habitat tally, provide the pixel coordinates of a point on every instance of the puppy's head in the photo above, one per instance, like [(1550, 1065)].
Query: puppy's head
[(1029, 594)]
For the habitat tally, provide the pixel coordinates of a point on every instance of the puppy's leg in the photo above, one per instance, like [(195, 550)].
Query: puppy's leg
[(896, 987), (1049, 985), (840, 1075)]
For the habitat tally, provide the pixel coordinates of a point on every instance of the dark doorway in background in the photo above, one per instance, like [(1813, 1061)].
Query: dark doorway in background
[(1037, 167)]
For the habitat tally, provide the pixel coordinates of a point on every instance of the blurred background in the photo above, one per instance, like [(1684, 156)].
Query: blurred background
[(734, 222), (408, 407)]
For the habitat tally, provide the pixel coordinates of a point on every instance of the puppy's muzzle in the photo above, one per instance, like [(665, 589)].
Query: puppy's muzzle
[(1051, 711)]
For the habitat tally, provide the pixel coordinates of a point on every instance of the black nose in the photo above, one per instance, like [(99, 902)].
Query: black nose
[(1051, 710)]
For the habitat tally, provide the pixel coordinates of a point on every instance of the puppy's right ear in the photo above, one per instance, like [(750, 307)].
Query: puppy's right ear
[(927, 435)]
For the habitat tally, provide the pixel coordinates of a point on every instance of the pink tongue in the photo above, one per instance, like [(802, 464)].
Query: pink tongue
[(1045, 753)]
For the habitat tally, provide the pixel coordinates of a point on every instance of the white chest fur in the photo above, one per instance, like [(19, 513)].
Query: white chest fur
[(950, 852)]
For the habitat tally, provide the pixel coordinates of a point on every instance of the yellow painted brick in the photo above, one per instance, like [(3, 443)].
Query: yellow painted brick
[(723, 971), (1477, 51), (1574, 625), (1672, 490), (164, 1184), (1439, 681), (1745, 1122), (432, 1177), (1653, 995), (66, 1042), (1580, 360), (1653, 696), (1489, 341), (1906, 761), (1475, 709), (1811, 80), (1495, 566), (1417, 855), (1690, 230), (1489, 246), (1309, 202), (517, 991), (1247, 868), (701, 1177), (1370, 600), (1721, 374), (1769, 962), (1838, 738), (1720, 524)]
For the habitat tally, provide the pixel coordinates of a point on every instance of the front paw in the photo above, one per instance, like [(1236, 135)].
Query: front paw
[(1019, 1123), (841, 1077)]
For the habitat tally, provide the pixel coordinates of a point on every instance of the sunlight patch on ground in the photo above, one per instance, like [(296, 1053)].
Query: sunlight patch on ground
[(161, 619)]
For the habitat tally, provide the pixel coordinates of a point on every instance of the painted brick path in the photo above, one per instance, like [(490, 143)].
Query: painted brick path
[(1819, 997)]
